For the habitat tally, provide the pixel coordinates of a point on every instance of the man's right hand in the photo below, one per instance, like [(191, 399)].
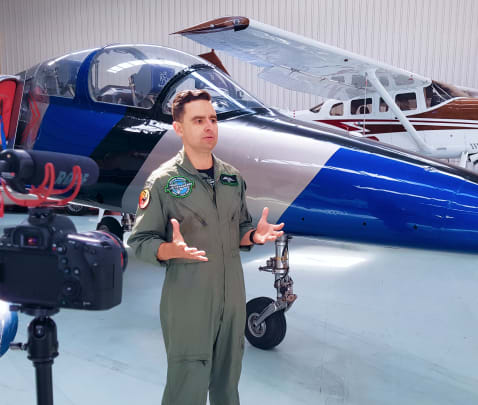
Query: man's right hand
[(177, 248)]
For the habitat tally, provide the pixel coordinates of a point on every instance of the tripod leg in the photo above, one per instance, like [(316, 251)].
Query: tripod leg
[(42, 348), (44, 382)]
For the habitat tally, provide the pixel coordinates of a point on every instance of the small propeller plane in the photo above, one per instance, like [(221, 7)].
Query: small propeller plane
[(113, 104), (368, 98)]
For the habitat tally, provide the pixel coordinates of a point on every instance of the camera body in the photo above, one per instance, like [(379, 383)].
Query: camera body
[(45, 263)]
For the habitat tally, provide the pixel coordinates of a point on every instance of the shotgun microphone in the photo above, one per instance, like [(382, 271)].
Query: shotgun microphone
[(20, 168)]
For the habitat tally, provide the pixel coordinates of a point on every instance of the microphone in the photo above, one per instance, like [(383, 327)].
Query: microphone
[(20, 167)]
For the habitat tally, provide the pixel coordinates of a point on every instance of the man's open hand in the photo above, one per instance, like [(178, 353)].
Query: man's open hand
[(177, 248), (266, 232)]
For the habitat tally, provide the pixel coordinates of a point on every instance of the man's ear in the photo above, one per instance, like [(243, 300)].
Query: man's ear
[(178, 128)]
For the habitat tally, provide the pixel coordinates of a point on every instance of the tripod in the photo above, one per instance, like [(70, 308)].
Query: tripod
[(42, 348)]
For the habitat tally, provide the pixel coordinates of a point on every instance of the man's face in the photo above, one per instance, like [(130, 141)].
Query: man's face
[(198, 128)]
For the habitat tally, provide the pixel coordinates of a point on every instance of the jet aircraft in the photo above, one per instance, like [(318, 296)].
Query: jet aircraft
[(113, 104), (371, 99)]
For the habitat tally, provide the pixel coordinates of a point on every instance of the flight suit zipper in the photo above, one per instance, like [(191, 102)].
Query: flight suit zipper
[(212, 193)]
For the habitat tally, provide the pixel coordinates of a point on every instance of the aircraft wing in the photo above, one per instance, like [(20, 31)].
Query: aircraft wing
[(299, 63)]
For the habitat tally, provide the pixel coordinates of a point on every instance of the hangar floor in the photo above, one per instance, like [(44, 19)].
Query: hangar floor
[(372, 325)]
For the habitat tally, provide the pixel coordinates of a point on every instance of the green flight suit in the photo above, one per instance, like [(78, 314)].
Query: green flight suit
[(202, 308)]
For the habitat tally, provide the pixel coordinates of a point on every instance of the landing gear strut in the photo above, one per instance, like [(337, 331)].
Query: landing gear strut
[(265, 323), (112, 225)]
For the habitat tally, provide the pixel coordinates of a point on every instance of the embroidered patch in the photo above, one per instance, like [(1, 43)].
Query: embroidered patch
[(229, 179), (144, 198), (179, 187)]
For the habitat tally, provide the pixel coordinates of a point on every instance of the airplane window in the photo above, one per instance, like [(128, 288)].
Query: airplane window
[(361, 106), (57, 77), (383, 107), (317, 108), (437, 93), (403, 80), (449, 91), (359, 81), (133, 75), (226, 96), (406, 101), (384, 81), (337, 109)]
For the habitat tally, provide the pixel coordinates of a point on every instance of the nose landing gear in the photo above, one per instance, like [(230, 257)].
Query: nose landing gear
[(112, 225), (265, 323)]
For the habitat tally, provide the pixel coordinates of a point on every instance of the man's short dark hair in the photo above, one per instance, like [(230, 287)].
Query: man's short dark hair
[(184, 97)]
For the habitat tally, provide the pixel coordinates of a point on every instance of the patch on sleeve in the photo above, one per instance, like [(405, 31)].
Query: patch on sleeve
[(144, 198), (179, 186), (229, 179)]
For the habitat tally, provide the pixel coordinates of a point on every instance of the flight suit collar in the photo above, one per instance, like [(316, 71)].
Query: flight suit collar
[(184, 162)]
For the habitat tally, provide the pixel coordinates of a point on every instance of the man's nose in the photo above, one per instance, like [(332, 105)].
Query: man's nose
[(209, 124)]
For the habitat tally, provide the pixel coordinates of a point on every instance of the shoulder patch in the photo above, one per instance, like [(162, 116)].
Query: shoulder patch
[(179, 186), (144, 198), (229, 179)]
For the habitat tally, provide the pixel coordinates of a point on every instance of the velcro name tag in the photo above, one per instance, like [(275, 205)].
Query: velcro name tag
[(229, 179)]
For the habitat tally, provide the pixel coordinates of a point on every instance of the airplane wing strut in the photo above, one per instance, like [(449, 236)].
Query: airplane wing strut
[(306, 65), (422, 146)]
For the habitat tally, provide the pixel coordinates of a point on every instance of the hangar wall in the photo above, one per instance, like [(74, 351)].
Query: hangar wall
[(437, 38)]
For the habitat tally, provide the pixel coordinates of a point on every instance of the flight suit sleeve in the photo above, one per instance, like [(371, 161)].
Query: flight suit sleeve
[(150, 229), (245, 219)]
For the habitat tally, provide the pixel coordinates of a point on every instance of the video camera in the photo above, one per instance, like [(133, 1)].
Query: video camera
[(44, 262)]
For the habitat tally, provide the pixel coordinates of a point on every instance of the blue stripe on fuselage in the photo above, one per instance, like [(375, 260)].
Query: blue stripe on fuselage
[(68, 127), (371, 198)]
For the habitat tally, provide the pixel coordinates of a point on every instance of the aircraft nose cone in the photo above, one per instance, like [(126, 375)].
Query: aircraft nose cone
[(8, 327)]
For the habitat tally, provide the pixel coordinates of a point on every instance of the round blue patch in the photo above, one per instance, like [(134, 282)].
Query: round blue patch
[(179, 187)]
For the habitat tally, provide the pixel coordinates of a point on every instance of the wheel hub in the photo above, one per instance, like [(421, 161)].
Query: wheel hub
[(257, 331)]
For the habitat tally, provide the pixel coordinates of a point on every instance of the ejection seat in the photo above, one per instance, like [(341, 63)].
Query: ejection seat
[(147, 83), (66, 74)]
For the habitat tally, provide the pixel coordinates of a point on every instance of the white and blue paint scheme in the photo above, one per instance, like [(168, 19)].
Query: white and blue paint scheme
[(113, 104)]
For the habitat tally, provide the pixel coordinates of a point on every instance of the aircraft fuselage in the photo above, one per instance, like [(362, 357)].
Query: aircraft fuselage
[(319, 183)]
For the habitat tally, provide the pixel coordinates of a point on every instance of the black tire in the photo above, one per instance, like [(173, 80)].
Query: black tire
[(75, 209), (270, 332), (111, 225)]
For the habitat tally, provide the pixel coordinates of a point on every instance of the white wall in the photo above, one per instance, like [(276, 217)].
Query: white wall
[(437, 38)]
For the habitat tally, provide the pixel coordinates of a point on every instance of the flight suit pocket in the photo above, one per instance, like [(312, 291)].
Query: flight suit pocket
[(234, 233), (181, 358), (192, 213), (188, 379)]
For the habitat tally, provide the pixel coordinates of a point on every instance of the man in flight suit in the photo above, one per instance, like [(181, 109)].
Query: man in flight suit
[(192, 217)]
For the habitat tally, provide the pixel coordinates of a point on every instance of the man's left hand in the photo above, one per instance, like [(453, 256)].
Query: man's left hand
[(266, 232)]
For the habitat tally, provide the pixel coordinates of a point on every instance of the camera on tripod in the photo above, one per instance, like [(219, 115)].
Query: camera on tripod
[(44, 262)]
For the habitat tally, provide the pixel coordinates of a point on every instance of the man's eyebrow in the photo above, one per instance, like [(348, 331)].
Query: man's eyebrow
[(203, 116)]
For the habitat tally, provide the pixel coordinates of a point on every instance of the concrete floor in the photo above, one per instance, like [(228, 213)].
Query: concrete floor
[(372, 325)]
